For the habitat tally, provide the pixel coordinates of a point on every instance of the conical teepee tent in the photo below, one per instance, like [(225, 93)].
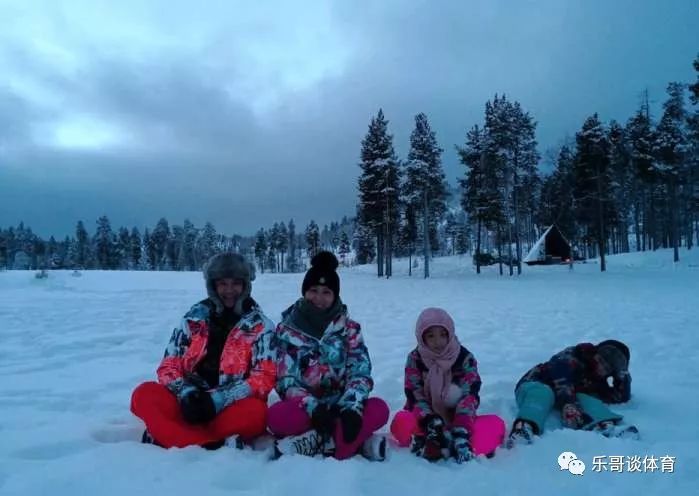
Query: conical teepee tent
[(551, 248)]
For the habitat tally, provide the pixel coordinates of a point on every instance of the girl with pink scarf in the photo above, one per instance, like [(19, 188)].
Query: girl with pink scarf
[(442, 387)]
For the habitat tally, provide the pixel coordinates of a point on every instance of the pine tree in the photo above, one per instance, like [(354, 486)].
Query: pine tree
[(640, 138), (39, 254), (592, 183), (379, 190), (159, 238), (523, 163), (151, 255), (480, 187), (104, 244), (282, 244), (122, 249), (4, 262), (621, 187), (693, 124), (187, 253), (291, 259), (510, 161), (408, 234), (312, 238), (424, 189), (135, 248), (273, 244), (52, 260), (364, 246), (206, 244), (463, 238), (556, 198), (344, 247), (82, 248), (174, 248), (671, 149), (271, 258), (61, 257), (261, 250), (72, 255)]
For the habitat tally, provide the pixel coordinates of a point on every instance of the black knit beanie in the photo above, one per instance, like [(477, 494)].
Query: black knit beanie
[(616, 353), (322, 272)]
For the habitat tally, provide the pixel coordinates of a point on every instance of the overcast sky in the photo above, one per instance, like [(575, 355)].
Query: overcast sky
[(247, 114)]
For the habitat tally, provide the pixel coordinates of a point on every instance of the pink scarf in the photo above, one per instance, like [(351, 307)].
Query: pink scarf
[(438, 365)]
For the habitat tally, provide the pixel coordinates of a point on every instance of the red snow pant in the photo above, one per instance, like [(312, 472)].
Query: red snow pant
[(158, 408), (289, 418)]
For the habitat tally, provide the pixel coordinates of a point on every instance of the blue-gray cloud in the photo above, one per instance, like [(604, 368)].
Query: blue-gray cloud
[(248, 117)]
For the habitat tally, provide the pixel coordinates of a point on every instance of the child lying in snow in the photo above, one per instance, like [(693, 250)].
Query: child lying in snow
[(442, 388), (577, 382)]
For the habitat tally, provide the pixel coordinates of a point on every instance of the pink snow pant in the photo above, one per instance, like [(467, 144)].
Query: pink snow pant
[(487, 431), (289, 418)]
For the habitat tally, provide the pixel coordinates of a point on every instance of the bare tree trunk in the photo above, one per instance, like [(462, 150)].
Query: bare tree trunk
[(673, 220), (645, 220), (426, 233), (500, 248), (379, 251), (688, 225), (637, 227), (478, 248), (600, 210), (518, 251), (389, 254)]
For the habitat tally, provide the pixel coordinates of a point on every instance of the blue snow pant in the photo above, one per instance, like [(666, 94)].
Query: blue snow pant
[(535, 401)]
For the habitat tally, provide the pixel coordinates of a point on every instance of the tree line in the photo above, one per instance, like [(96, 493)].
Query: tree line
[(614, 182), (614, 187)]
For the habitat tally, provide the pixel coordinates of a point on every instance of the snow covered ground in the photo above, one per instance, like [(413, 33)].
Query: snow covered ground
[(73, 348)]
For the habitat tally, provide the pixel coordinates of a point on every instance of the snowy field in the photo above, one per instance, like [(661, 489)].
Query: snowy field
[(73, 348)]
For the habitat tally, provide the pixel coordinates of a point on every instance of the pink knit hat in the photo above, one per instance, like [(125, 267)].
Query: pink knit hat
[(433, 317)]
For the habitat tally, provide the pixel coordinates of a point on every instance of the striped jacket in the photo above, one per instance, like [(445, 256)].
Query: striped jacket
[(333, 370), (572, 371), (247, 361), (465, 377)]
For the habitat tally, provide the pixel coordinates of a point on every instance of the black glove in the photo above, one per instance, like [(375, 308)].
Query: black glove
[(323, 419), (197, 407), (433, 425), (351, 425)]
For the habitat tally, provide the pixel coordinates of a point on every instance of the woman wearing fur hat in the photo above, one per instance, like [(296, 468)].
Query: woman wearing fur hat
[(218, 367), (442, 387), (324, 375), (578, 381)]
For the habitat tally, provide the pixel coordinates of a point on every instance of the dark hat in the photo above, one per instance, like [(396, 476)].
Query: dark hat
[(615, 353), (233, 266), (322, 272)]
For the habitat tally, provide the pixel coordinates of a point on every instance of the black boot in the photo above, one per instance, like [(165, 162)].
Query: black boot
[(146, 438)]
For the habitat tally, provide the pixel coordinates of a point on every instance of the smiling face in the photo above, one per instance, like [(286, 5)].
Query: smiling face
[(320, 296), (229, 290), (436, 338)]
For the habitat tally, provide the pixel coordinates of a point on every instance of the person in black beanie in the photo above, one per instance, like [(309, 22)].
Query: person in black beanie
[(578, 381), (324, 375)]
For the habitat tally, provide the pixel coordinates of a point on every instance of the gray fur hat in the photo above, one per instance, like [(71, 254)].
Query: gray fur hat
[(234, 266)]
